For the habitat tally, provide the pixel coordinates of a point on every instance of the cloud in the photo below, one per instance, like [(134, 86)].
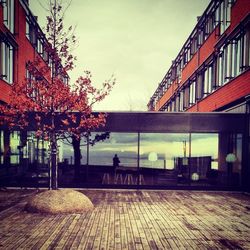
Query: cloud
[(134, 39)]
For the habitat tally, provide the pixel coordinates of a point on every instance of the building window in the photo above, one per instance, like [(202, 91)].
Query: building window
[(186, 97), (181, 102), (7, 62), (210, 24), (31, 32), (246, 51), (199, 86), (200, 36), (178, 69), (192, 93), (177, 103), (8, 14), (224, 15), (233, 59), (40, 46), (194, 45), (208, 76)]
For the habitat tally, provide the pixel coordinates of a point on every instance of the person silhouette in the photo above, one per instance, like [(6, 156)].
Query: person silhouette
[(116, 161)]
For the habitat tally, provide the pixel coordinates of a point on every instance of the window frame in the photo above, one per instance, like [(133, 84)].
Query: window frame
[(7, 61), (9, 15)]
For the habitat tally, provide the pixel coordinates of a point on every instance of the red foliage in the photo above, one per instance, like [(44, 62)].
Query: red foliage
[(43, 101)]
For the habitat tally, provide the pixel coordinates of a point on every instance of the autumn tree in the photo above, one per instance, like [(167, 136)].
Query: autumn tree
[(45, 102)]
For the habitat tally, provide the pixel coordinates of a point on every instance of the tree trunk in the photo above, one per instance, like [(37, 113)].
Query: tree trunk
[(77, 155), (53, 160)]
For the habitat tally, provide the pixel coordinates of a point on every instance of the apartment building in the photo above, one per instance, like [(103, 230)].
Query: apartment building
[(22, 40), (211, 71)]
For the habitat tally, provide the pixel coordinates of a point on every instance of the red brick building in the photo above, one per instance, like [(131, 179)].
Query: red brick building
[(211, 71), (22, 40)]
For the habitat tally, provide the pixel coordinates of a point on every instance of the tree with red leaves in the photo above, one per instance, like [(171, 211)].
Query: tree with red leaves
[(44, 102)]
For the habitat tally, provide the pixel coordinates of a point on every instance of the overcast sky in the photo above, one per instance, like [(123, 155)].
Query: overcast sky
[(135, 40)]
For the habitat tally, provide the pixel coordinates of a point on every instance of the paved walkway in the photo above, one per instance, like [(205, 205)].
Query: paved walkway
[(131, 220)]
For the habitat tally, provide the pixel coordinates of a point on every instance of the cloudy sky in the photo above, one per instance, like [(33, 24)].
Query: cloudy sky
[(135, 40)]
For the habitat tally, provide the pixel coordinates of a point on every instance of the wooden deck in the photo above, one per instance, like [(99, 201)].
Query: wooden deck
[(131, 220)]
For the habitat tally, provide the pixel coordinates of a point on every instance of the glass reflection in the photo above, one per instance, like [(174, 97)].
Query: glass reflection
[(122, 144), (14, 144), (66, 151), (159, 154), (204, 158), (159, 151)]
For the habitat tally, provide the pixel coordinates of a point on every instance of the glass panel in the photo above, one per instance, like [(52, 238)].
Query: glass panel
[(159, 156), (8, 14), (14, 144), (7, 62), (102, 165), (66, 158), (204, 157), (215, 159), (11, 65)]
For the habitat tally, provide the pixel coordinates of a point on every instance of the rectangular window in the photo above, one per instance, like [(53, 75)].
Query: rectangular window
[(209, 25), (199, 87), (178, 69), (225, 15), (31, 32), (177, 103), (200, 36), (246, 50), (228, 62), (27, 29), (220, 69), (181, 102), (173, 105), (208, 81), (7, 62), (8, 14), (186, 97), (40, 46), (192, 93)]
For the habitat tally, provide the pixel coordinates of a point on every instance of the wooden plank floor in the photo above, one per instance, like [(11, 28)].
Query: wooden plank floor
[(124, 219)]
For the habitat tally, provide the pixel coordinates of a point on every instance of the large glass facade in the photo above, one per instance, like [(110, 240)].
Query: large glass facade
[(133, 159)]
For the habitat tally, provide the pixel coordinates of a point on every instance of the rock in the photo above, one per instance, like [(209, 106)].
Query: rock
[(59, 201)]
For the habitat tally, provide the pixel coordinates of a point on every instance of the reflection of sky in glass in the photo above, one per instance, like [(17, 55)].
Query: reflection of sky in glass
[(166, 146), (205, 145), (122, 144)]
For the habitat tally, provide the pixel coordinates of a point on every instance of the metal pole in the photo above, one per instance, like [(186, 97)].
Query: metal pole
[(138, 159)]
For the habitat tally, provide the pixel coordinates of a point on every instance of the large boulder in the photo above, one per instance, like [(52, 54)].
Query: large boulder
[(59, 201)]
